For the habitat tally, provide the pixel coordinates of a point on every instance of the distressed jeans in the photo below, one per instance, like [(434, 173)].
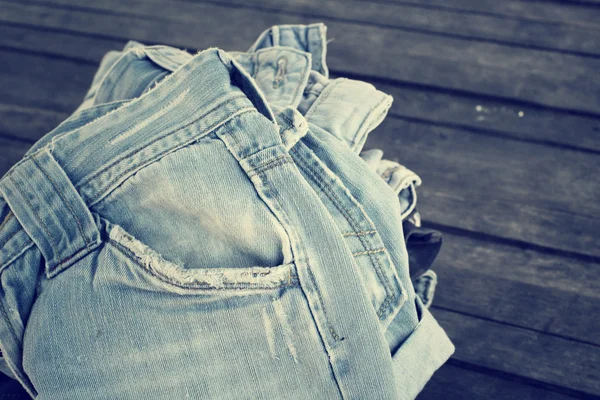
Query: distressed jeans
[(218, 244)]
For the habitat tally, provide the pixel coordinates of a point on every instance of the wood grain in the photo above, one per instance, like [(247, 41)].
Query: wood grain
[(523, 352), (454, 383), (523, 287), (580, 13), (579, 39), (511, 189)]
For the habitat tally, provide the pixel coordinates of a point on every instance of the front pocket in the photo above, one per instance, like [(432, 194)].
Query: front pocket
[(199, 210), (256, 277)]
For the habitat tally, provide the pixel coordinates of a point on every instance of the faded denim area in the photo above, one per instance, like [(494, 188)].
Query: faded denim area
[(288, 64), (228, 241), (178, 211)]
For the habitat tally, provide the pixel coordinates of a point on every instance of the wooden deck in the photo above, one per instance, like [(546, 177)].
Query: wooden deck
[(497, 107)]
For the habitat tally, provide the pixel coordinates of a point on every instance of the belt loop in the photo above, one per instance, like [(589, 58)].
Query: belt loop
[(50, 210)]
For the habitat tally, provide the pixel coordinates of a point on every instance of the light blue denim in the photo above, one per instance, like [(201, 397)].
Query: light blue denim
[(283, 75), (402, 180), (387, 291), (211, 181)]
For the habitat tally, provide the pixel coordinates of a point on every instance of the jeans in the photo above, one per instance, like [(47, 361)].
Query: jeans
[(219, 244)]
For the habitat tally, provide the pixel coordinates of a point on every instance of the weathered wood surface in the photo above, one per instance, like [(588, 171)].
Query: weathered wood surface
[(537, 33), (496, 106)]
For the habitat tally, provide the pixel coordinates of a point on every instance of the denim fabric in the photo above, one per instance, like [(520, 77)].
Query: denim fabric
[(116, 79), (403, 181), (347, 109), (265, 67), (216, 204), (387, 291), (382, 263), (422, 245)]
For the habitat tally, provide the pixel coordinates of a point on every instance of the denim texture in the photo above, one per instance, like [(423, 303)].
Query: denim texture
[(422, 245), (337, 111), (227, 198), (402, 180)]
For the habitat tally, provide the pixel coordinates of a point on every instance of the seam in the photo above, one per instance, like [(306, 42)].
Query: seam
[(291, 281), (266, 163), (360, 233), (290, 122), (12, 236), (76, 117), (322, 97), (362, 253), (128, 155), (232, 144), (15, 256), (6, 219), (335, 336), (277, 205), (35, 214), (287, 119), (64, 260), (193, 139), (271, 166), (282, 159), (374, 261), (138, 126), (85, 240), (361, 128)]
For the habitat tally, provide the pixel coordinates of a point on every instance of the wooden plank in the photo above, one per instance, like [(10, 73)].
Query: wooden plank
[(56, 43), (512, 189), (28, 124), (52, 84), (547, 11), (522, 352), (480, 114), (577, 39), (490, 116), (523, 287), (526, 223), (11, 151), (454, 383), (540, 77)]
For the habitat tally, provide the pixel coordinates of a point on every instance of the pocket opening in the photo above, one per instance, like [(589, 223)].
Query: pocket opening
[(256, 277)]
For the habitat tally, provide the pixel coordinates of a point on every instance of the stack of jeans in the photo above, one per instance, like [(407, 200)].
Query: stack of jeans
[(205, 226)]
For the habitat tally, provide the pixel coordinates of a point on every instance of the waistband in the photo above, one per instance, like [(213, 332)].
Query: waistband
[(51, 190)]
